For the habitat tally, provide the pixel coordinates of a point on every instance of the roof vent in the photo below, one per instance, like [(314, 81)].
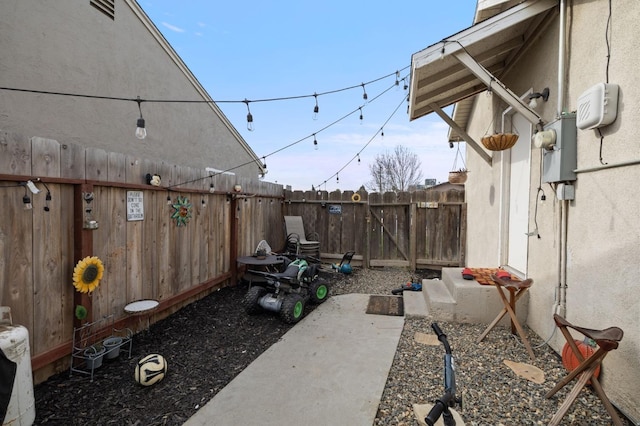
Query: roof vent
[(108, 7)]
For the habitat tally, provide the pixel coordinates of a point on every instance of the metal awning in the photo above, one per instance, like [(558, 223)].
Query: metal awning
[(474, 59)]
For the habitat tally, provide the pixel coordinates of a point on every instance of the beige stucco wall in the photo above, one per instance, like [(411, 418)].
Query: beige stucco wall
[(68, 46), (603, 230)]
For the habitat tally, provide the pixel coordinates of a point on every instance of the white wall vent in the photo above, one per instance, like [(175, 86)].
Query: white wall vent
[(597, 106)]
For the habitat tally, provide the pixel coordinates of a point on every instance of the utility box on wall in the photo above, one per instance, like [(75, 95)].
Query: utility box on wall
[(560, 161)]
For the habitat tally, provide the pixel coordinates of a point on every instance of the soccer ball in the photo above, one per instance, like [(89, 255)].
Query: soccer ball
[(150, 369)]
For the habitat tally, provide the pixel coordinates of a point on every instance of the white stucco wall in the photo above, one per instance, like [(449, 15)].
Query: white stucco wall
[(603, 231), (68, 46)]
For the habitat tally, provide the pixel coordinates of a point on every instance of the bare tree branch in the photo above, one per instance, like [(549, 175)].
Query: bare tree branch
[(395, 171)]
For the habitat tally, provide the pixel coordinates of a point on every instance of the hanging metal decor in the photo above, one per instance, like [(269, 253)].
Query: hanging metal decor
[(182, 213)]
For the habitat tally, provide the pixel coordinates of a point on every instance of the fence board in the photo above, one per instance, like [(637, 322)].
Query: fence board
[(165, 248), (15, 154), (47, 297), (196, 243), (134, 257), (116, 168), (72, 161), (45, 155), (96, 161), (16, 239), (150, 265)]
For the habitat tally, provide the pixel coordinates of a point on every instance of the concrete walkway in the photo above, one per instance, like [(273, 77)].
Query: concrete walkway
[(330, 369)]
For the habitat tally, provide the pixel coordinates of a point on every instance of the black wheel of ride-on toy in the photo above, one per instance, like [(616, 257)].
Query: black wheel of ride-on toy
[(292, 308), (318, 291), (250, 300)]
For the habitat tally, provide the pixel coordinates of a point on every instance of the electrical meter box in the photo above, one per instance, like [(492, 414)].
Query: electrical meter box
[(559, 162)]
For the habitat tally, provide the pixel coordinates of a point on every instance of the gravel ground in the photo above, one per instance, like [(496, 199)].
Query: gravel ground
[(211, 341), (492, 394)]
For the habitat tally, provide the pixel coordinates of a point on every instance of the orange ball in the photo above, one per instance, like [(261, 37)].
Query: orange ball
[(569, 359)]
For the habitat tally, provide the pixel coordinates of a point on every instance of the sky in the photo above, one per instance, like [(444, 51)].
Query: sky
[(264, 50)]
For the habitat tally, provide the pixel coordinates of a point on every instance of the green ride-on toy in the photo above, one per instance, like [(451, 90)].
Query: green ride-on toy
[(287, 292)]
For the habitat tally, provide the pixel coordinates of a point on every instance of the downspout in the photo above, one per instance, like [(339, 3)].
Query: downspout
[(561, 308)]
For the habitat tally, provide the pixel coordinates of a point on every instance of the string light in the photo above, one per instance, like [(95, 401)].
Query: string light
[(249, 117), (358, 159), (367, 144), (47, 198), (398, 79), (382, 132), (315, 142), (141, 131), (204, 203), (169, 200), (364, 95), (337, 178), (316, 108), (26, 200)]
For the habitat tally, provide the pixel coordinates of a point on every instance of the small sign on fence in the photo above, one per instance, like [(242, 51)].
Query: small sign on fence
[(335, 209), (135, 205)]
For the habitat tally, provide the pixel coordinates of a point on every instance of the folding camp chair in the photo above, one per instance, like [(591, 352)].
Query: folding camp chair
[(607, 340), (516, 290)]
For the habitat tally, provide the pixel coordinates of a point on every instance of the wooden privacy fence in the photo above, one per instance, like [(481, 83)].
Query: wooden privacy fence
[(147, 258), (419, 229)]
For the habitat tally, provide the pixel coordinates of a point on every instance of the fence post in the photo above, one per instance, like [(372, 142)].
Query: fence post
[(82, 246), (413, 234)]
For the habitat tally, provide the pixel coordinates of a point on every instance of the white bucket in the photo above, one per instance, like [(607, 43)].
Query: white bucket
[(14, 343)]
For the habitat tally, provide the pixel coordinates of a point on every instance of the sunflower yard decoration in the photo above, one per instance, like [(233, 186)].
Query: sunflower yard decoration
[(87, 274), (182, 213)]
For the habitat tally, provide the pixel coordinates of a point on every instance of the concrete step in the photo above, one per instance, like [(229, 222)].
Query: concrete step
[(466, 301), (415, 305), (440, 303)]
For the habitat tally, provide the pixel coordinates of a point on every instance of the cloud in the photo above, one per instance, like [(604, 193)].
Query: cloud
[(202, 24), (172, 27)]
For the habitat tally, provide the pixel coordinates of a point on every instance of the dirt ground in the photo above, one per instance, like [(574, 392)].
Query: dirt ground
[(205, 344)]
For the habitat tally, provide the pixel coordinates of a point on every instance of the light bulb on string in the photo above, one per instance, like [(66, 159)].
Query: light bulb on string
[(382, 133), (358, 159), (141, 131), (249, 117), (406, 85), (27, 202), (316, 108), (397, 80), (337, 178), (364, 95), (361, 116), (169, 200), (315, 142)]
